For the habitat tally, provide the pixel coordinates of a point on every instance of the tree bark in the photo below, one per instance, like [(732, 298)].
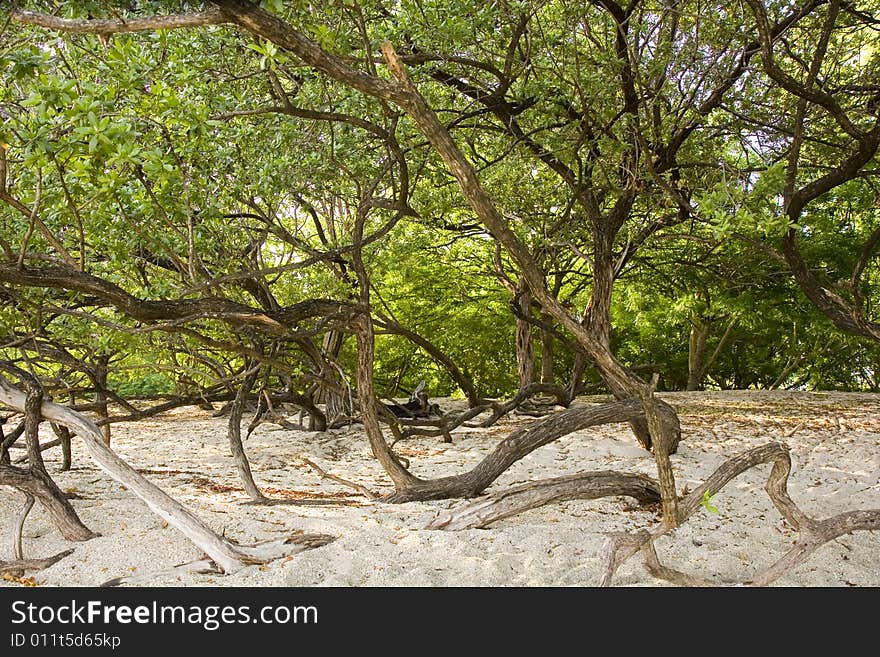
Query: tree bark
[(547, 374), (60, 511), (525, 353), (63, 434), (101, 370), (697, 352), (233, 434), (516, 446), (622, 545), (585, 486)]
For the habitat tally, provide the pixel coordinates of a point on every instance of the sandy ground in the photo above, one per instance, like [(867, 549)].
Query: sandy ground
[(834, 439)]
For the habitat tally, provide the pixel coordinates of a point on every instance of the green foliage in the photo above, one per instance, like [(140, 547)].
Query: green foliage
[(706, 502), (160, 168), (141, 387)]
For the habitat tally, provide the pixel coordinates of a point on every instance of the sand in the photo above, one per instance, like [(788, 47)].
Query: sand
[(834, 440)]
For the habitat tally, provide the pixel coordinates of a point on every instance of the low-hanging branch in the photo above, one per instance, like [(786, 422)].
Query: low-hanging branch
[(147, 310)]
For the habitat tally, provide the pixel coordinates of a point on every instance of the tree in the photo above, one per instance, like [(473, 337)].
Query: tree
[(570, 149)]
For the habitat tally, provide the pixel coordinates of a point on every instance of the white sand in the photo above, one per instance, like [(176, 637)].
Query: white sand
[(834, 438)]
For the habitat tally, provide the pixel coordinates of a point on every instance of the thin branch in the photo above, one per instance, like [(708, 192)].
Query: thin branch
[(326, 475)]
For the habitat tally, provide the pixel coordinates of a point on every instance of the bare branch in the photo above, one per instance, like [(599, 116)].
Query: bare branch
[(117, 25)]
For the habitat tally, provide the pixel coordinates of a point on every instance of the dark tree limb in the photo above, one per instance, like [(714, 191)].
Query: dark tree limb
[(20, 565), (233, 434), (516, 446), (53, 500), (64, 437), (219, 549), (585, 486), (8, 441), (36, 480), (461, 380)]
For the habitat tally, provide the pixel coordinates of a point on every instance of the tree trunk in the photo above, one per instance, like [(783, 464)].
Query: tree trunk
[(233, 433), (697, 353), (525, 353), (577, 372), (330, 389), (62, 514), (698, 364), (597, 319), (547, 375), (63, 434), (216, 547), (8, 441), (101, 367)]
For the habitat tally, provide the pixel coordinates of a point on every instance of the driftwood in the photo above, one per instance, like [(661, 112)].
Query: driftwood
[(813, 533), (586, 486), (259, 552)]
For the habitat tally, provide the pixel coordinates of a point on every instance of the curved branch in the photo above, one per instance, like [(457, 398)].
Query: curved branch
[(510, 502), (516, 446), (621, 546)]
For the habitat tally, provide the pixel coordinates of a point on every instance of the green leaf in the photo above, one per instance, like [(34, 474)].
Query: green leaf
[(707, 503)]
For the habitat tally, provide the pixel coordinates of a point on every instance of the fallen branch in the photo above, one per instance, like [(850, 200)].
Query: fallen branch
[(21, 565), (260, 553), (326, 475), (586, 486)]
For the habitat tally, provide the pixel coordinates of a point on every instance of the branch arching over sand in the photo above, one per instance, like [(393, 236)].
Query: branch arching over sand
[(813, 533), (512, 501)]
